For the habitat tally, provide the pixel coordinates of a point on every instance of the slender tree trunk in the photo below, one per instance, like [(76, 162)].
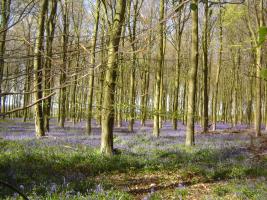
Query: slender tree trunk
[(91, 69), (234, 85), (176, 92), (258, 114), (192, 79), (39, 120), (158, 73), (214, 117), (121, 81), (74, 110), (4, 106), (258, 93), (146, 76), (132, 32), (26, 99), (5, 13), (102, 74), (50, 29), (205, 71), (178, 32), (63, 75), (184, 101)]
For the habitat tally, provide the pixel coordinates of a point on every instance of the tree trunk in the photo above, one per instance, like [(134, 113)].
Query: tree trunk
[(190, 140), (50, 29), (205, 71), (37, 65), (258, 115), (63, 75), (5, 13), (110, 78), (91, 70), (215, 95), (158, 73)]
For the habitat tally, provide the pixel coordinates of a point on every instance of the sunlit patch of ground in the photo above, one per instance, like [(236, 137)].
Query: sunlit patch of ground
[(66, 164)]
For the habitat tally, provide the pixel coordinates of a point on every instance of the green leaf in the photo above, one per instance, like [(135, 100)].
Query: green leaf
[(193, 6), (262, 35), (263, 73)]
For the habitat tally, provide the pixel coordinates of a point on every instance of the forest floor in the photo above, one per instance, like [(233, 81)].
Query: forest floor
[(66, 164)]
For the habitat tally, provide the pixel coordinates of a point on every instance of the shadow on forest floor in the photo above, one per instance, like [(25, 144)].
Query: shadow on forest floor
[(67, 164)]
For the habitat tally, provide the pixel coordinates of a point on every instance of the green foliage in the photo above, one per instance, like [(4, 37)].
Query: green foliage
[(193, 6), (155, 196), (221, 190), (250, 189), (263, 73), (262, 35), (112, 194), (232, 15), (181, 192), (237, 172)]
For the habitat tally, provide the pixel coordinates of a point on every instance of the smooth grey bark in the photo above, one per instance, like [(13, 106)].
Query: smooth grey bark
[(91, 70), (108, 105), (205, 70), (37, 65), (192, 79), (50, 30), (63, 75), (4, 17), (215, 93), (158, 77), (132, 33)]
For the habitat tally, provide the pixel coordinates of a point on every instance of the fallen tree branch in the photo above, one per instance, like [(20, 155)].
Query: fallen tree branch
[(14, 189)]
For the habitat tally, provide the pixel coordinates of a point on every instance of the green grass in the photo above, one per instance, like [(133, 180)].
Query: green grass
[(255, 189), (50, 172)]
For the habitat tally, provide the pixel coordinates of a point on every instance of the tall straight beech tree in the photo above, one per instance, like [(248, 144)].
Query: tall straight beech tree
[(108, 106), (50, 30), (192, 79), (205, 69), (158, 73), (258, 63), (132, 33), (37, 65), (179, 28), (258, 115), (63, 75), (215, 93), (146, 75), (92, 68), (28, 79), (5, 14)]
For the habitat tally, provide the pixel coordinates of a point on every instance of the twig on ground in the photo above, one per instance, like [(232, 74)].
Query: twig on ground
[(14, 189)]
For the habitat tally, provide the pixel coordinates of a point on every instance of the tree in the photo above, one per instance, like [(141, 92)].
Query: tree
[(92, 68), (110, 78), (215, 94), (159, 72), (132, 33), (28, 79), (258, 63), (190, 140), (63, 75), (50, 30), (205, 69), (5, 14), (146, 73), (258, 54), (39, 117), (179, 29)]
